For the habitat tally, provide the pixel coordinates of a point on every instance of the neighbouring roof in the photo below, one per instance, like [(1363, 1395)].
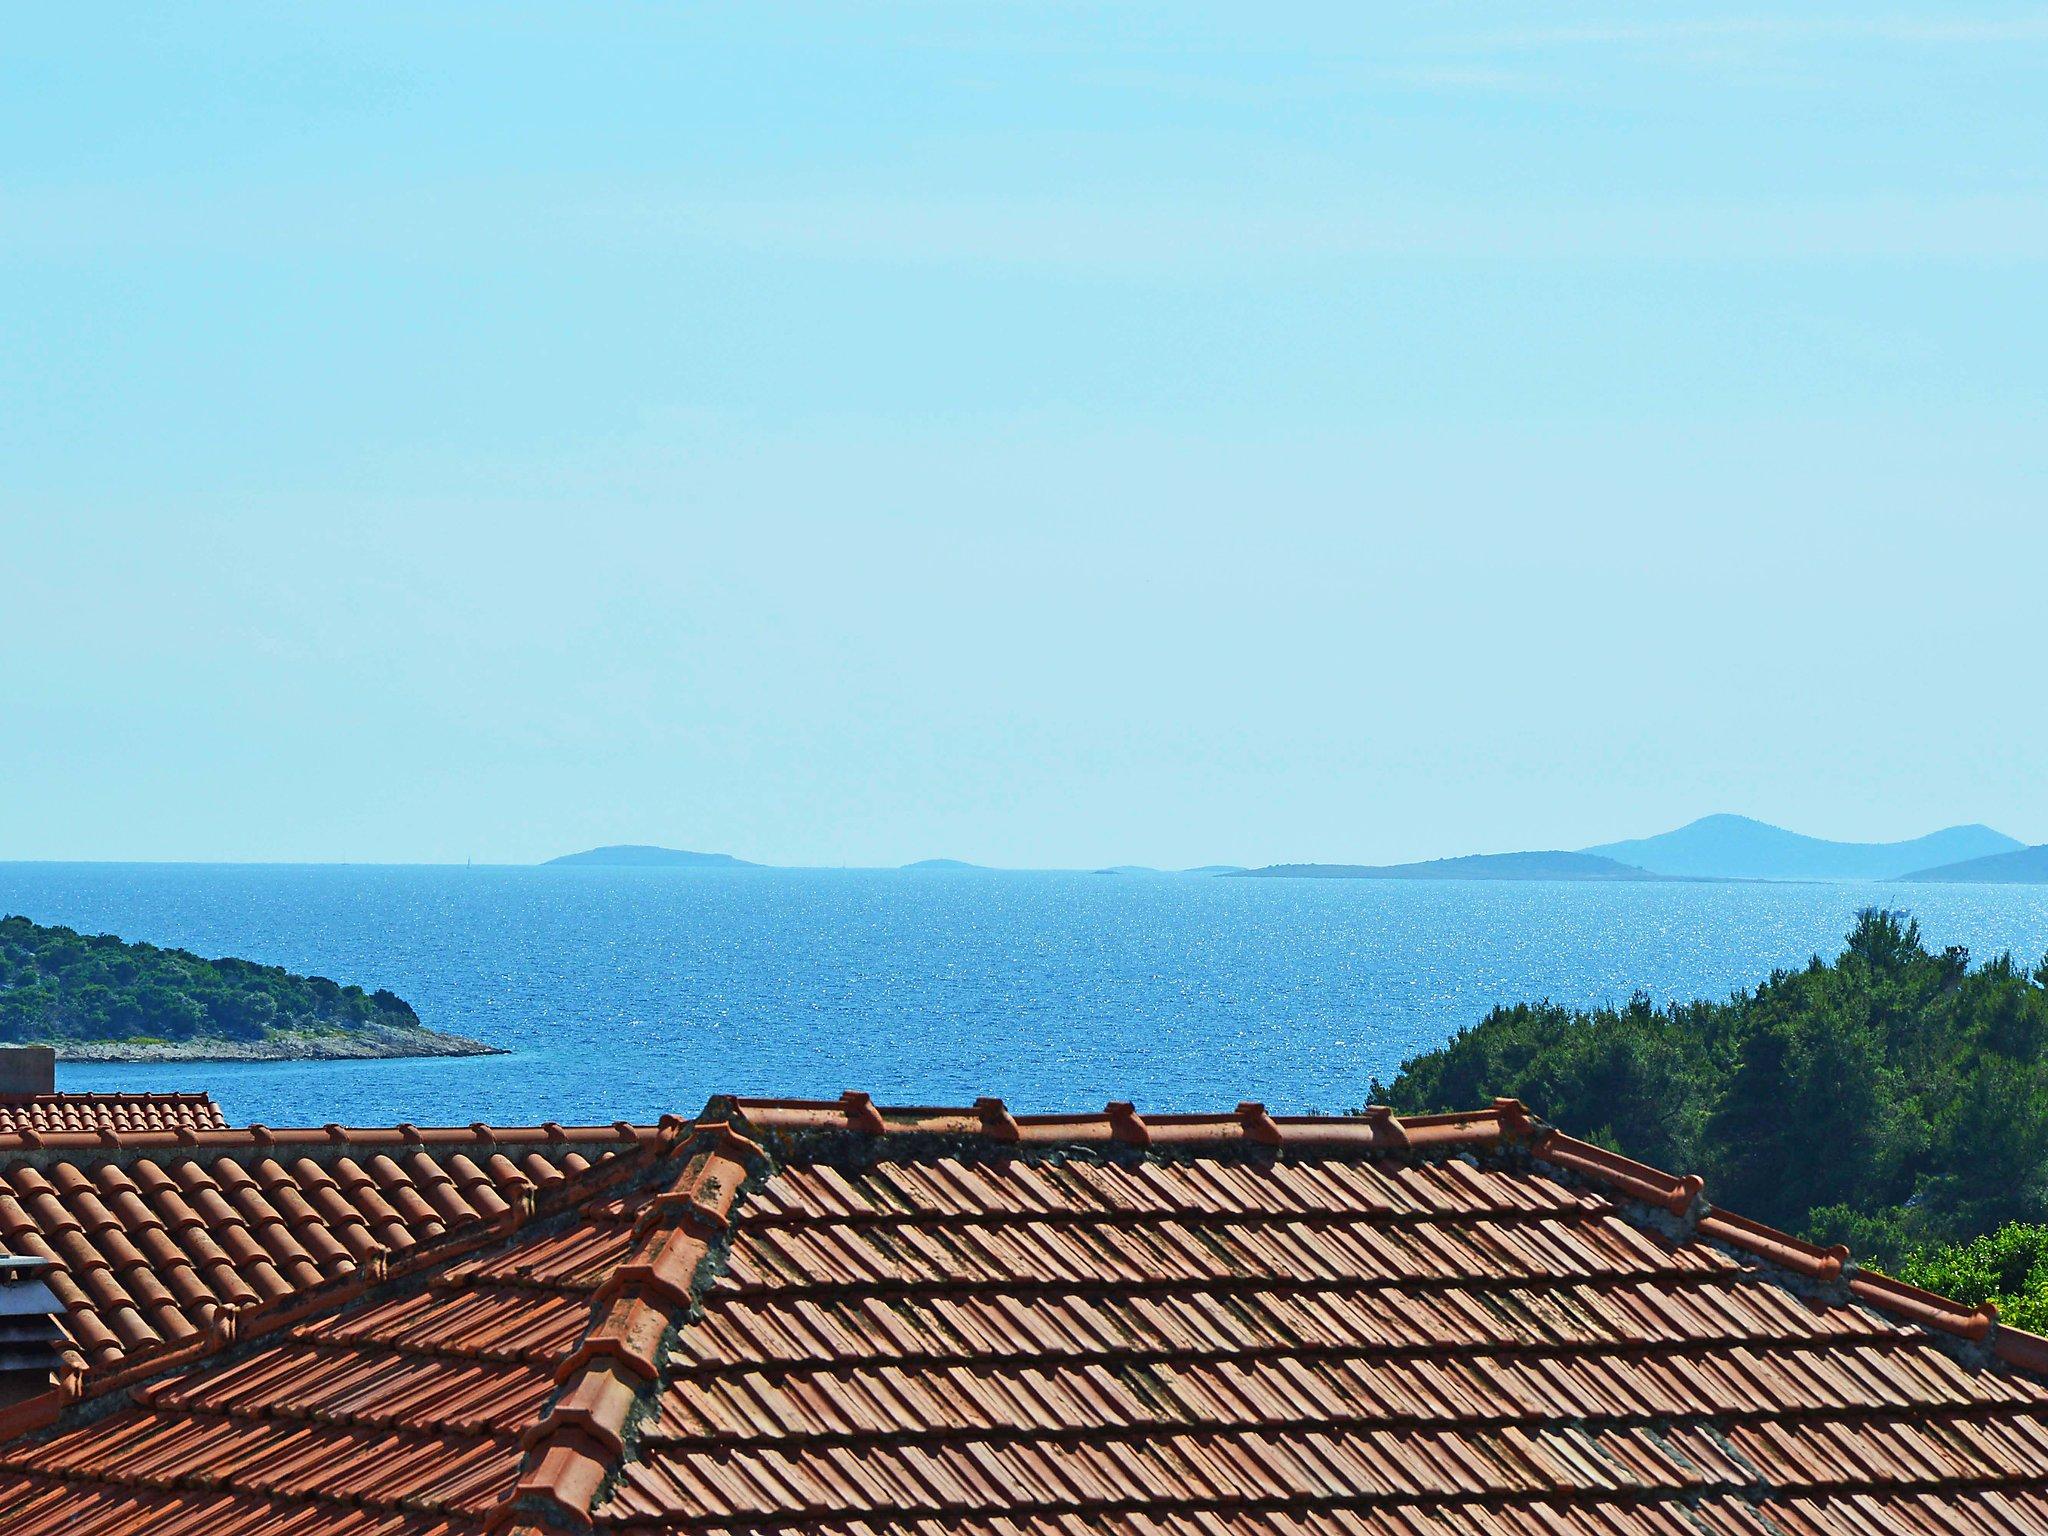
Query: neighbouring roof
[(46, 1113), (827, 1318)]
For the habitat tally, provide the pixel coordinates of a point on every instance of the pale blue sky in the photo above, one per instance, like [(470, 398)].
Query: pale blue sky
[(1040, 435)]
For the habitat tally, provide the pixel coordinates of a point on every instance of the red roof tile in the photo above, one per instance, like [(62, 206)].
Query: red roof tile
[(43, 1114), (833, 1318), (174, 1240)]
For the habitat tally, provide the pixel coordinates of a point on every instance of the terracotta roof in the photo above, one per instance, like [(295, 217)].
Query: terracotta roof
[(171, 1240), (828, 1318), (47, 1113)]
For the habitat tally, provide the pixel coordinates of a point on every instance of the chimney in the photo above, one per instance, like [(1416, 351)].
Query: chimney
[(31, 1338), (26, 1070)]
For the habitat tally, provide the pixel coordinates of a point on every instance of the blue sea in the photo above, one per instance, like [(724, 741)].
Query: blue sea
[(621, 994)]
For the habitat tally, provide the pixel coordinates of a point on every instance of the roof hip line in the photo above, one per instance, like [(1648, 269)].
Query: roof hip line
[(607, 1385)]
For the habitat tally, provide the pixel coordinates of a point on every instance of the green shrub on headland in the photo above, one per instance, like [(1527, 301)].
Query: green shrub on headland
[(1894, 1098), (59, 986)]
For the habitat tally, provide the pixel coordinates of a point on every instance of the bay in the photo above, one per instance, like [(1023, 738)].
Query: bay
[(624, 994)]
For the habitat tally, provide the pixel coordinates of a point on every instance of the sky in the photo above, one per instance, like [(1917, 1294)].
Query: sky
[(1035, 434)]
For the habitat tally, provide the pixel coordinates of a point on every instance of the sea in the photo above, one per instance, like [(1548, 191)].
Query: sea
[(628, 993)]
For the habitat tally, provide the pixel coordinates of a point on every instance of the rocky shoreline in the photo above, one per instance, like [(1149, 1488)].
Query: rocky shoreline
[(368, 1042)]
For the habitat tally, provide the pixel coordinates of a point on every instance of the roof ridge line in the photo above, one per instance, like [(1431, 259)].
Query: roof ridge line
[(1249, 1126), (126, 1095), (1832, 1266), (606, 1384), (1675, 1193), (257, 1134)]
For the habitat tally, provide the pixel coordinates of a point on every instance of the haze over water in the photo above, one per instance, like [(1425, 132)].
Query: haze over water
[(627, 993)]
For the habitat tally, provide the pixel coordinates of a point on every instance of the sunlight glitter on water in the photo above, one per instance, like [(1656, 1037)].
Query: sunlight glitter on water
[(627, 993)]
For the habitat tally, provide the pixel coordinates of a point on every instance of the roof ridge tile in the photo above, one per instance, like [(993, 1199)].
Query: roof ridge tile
[(1943, 1313), (608, 1380), (1640, 1181), (1250, 1125), (1793, 1253), (2018, 1347)]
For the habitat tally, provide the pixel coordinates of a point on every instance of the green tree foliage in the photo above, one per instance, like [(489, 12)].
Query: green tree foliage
[(1893, 1098), (2009, 1267), (57, 986)]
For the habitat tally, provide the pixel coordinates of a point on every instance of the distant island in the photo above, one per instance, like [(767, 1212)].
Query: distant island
[(97, 998), (1718, 847), (1551, 865), (2022, 866), (1740, 848), (1724, 847), (647, 856)]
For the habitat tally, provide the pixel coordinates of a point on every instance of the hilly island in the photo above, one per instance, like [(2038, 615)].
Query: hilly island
[(2022, 866), (1717, 847), (648, 856), (97, 998), (1725, 847)]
